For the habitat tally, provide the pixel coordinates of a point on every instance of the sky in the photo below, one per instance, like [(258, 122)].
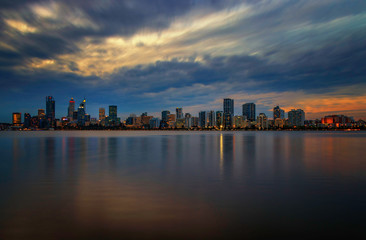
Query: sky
[(154, 55)]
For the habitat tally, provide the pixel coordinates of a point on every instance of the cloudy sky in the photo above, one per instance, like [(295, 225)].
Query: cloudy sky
[(152, 55)]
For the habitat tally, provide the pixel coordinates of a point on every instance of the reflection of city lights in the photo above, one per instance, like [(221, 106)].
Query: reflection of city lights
[(221, 150)]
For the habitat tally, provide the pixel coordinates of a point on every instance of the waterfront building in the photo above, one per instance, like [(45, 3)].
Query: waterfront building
[(219, 119), (113, 115), (154, 123), (279, 122), (164, 118), (278, 113), (71, 109), (249, 111), (171, 118), (195, 121), (81, 113), (337, 121), (239, 121), (188, 120), (41, 113), (262, 121), (101, 114), (27, 120), (296, 117), (202, 119), (180, 123), (228, 106), (211, 119), (179, 113), (50, 111), (17, 119)]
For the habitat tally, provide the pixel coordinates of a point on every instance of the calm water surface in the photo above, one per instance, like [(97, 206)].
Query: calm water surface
[(188, 185)]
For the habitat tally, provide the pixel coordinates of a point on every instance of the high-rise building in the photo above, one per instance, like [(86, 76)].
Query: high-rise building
[(188, 120), (17, 119), (179, 113), (249, 111), (262, 121), (219, 119), (81, 113), (164, 115), (41, 113), (71, 109), (278, 113), (50, 111), (202, 116), (101, 114), (211, 122), (296, 117), (228, 112), (154, 123), (113, 113), (27, 120)]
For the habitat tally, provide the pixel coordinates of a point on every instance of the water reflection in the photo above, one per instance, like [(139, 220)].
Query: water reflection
[(189, 185)]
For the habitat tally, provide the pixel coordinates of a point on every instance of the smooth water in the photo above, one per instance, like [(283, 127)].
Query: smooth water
[(188, 185)]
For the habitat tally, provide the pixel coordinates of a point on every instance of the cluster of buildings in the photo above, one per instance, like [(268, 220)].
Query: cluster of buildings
[(222, 119)]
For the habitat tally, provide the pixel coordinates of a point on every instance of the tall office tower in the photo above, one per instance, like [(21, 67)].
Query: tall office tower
[(101, 114), (249, 111), (219, 119), (41, 113), (179, 113), (71, 108), (187, 120), (17, 119), (27, 120), (154, 123), (262, 121), (50, 111), (164, 115), (113, 113), (211, 122), (296, 117), (278, 113), (202, 116), (228, 112), (81, 113), (75, 116)]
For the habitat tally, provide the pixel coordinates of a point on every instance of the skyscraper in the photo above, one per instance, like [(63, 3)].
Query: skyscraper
[(262, 121), (179, 113), (296, 117), (81, 113), (249, 111), (164, 115), (219, 119), (71, 108), (202, 119), (113, 113), (228, 112), (211, 118), (101, 114), (278, 113), (17, 119), (27, 120), (50, 111)]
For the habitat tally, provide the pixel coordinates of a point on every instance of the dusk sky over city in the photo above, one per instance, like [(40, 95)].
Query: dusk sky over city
[(148, 56)]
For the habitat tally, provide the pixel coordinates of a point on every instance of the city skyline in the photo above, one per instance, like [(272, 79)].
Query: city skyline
[(149, 56)]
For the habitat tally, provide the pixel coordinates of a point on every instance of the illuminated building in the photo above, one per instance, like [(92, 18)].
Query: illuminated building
[(202, 116), (249, 111), (50, 111), (337, 121), (195, 121), (262, 121), (164, 118), (188, 120), (219, 119), (113, 115), (101, 114), (17, 119), (71, 109), (211, 122), (179, 113), (228, 112), (280, 123), (278, 113), (239, 121), (171, 120), (154, 123), (296, 117), (81, 113), (180, 123), (41, 113), (27, 120)]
